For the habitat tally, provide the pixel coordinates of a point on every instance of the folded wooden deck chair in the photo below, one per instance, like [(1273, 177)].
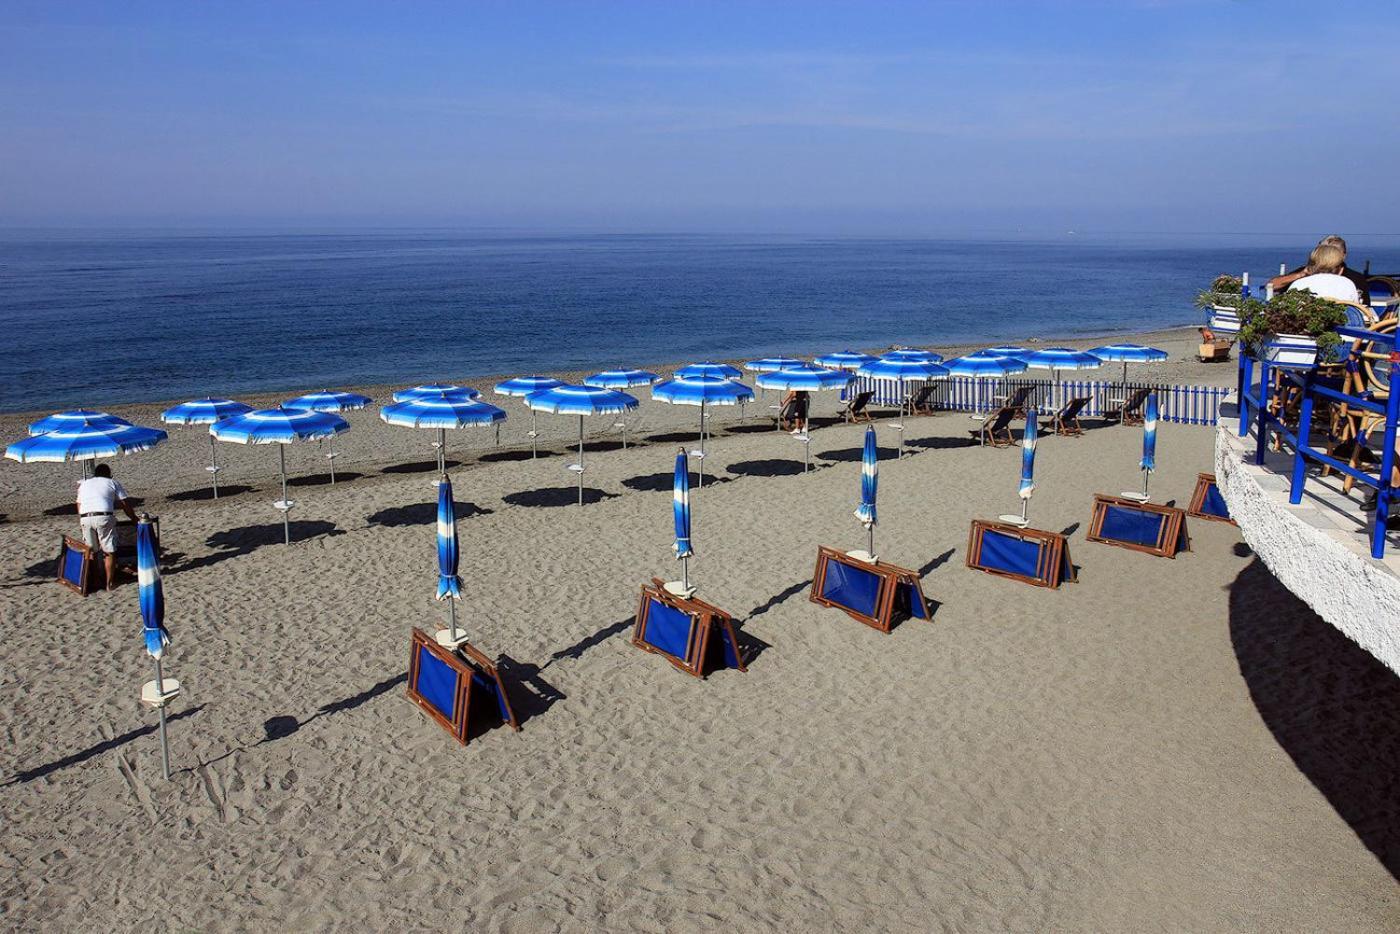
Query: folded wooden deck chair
[(1207, 501), (1029, 555), (696, 637), (857, 406), (873, 592), (1147, 527), (1130, 412), (921, 403), (997, 428), (461, 690), (1066, 421)]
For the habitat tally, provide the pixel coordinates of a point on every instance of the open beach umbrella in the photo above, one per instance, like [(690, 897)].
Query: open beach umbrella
[(205, 411), (328, 401), (981, 366), (769, 364), (449, 584), (1005, 350), (1057, 359), (151, 597), (621, 379), (845, 360), (804, 377), (280, 427), (909, 353), (902, 370), (580, 401), (1128, 353), (702, 391), (82, 417), (708, 368), (869, 485), (442, 412), (85, 440), (520, 387), (680, 508), (434, 390)]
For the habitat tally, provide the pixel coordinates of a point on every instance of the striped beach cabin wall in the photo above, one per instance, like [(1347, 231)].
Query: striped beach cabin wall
[(1180, 405)]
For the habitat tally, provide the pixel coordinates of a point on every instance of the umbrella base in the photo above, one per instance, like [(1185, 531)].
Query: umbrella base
[(576, 468), (284, 505), (679, 589), (444, 638), (213, 469), (1017, 521), (863, 555), (1136, 496), (154, 698)]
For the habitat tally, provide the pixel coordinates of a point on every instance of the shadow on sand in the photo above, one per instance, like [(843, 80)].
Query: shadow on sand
[(421, 514), (553, 496)]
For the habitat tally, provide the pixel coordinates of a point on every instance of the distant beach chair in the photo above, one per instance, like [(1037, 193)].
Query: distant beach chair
[(857, 405), (1066, 421), (997, 429), (1130, 412), (1017, 400), (921, 403)]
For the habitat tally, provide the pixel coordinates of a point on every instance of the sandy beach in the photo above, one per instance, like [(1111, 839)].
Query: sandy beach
[(1165, 745)]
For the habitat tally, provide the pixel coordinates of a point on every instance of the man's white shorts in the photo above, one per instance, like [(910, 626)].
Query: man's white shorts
[(101, 532)]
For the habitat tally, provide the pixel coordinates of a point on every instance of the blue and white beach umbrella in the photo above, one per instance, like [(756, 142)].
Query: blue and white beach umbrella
[(151, 597), (1149, 441), (280, 427), (85, 440), (1028, 442), (708, 368), (1005, 350), (581, 401), (981, 366), (903, 369), (910, 353), (521, 386), (845, 360), (1128, 353), (75, 417), (680, 508), (433, 390), (702, 391), (622, 379), (449, 583), (869, 486), (441, 411), (205, 411), (328, 401), (769, 364), (803, 377), (1057, 359)]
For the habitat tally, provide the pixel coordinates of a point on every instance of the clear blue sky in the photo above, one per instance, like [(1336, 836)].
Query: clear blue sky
[(816, 117)]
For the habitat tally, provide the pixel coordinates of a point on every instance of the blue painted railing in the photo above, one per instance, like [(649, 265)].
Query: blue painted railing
[(1181, 405)]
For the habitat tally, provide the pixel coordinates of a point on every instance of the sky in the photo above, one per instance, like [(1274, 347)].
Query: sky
[(812, 117)]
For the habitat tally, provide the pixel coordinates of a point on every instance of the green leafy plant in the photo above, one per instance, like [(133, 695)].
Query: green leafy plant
[(1293, 312), (1224, 291)]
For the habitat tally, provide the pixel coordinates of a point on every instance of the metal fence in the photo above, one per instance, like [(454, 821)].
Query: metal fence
[(1181, 405)]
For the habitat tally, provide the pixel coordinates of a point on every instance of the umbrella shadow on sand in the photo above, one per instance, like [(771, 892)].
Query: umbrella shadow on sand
[(234, 543), (323, 479), (514, 455), (657, 482), (203, 492), (1329, 703), (421, 514), (416, 467), (770, 467), (556, 496), (854, 455), (28, 775)]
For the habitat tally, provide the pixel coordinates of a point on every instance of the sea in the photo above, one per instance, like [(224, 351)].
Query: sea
[(97, 318)]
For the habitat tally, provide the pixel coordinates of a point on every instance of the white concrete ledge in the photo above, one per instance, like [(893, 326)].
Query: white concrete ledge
[(1319, 549)]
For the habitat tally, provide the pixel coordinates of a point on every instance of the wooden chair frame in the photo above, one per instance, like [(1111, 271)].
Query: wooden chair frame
[(1130, 412), (87, 567), (1066, 421), (705, 620), (892, 577), (997, 428), (469, 664), (1204, 482), (1171, 531), (1052, 560), (857, 407)]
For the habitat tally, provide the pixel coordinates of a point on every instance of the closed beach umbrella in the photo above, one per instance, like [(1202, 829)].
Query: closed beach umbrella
[(441, 412), (702, 391), (449, 584), (520, 387), (328, 401), (1128, 353), (621, 379), (680, 507), (903, 370), (981, 366), (151, 597), (845, 360), (869, 486), (280, 427), (1027, 487), (85, 440), (581, 401), (804, 377), (1149, 441), (708, 368), (75, 417), (205, 411), (1057, 359), (434, 390)]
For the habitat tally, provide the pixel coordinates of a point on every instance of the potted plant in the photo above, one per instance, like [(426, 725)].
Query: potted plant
[(1293, 329), (1223, 298)]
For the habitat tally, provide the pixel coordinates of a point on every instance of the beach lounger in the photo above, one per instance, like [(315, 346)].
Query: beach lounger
[(461, 690), (1146, 527), (857, 406), (696, 637), (921, 403), (1029, 555), (1017, 400), (996, 430), (873, 592), (1130, 412), (1066, 421)]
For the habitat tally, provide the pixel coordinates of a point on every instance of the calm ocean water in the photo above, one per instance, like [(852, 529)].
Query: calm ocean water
[(98, 319)]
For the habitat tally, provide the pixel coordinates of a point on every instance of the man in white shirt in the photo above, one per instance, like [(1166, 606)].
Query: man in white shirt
[(99, 498)]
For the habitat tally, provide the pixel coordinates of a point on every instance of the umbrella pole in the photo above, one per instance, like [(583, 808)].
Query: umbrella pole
[(286, 506), (701, 468), (1145, 475), (870, 540), (580, 460), (1025, 504), (900, 428), (330, 456), (164, 740), (534, 449), (452, 608), (685, 574), (442, 450), (214, 464)]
